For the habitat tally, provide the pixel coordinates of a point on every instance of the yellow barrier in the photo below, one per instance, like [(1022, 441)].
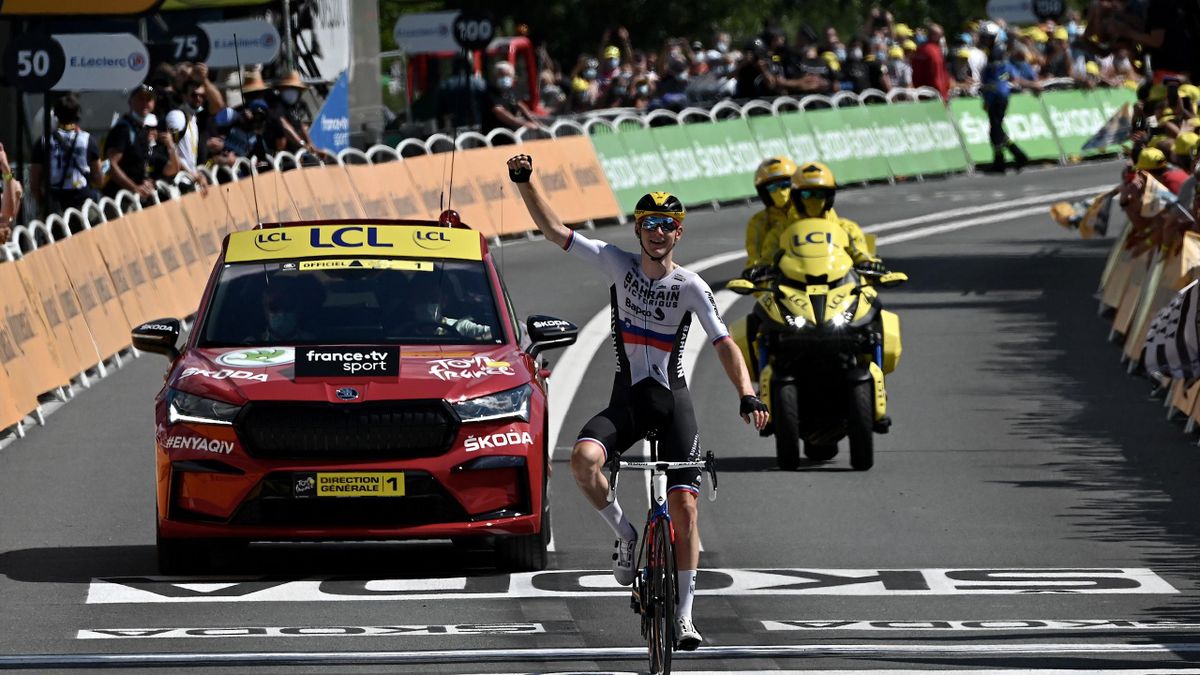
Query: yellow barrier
[(71, 305)]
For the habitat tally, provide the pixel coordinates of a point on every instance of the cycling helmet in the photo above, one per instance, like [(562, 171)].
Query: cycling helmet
[(660, 203), (813, 189), (771, 173)]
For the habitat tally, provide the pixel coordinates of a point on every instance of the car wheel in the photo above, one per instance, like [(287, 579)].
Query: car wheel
[(527, 552)]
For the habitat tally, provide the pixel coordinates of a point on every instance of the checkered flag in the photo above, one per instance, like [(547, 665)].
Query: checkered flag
[(1114, 132), (1172, 347)]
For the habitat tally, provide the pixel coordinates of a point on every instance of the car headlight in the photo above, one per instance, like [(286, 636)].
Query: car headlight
[(501, 405), (185, 407)]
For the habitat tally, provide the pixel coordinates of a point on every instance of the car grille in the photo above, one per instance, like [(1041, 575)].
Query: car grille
[(384, 430), (425, 502)]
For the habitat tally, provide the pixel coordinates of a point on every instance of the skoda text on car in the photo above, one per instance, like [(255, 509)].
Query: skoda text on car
[(353, 380)]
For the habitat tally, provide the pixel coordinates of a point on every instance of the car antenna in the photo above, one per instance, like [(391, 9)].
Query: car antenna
[(242, 93), (450, 192)]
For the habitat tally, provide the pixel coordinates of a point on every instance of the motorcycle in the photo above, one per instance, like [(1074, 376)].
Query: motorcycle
[(826, 345)]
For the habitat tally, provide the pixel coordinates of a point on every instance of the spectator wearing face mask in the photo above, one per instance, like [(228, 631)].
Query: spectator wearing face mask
[(672, 86), (289, 115), (856, 74), (614, 54), (500, 108), (929, 64), (125, 148), (585, 87), (899, 72)]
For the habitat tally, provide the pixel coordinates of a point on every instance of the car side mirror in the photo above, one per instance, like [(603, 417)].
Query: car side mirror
[(160, 336), (547, 332)]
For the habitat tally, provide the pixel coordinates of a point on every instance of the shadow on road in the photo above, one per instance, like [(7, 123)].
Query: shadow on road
[(1135, 472), (367, 560)]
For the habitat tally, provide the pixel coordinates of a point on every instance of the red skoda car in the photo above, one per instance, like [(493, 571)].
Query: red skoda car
[(349, 381)]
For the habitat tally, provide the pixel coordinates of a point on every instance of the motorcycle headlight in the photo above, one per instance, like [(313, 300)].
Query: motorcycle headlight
[(501, 405), (185, 407)]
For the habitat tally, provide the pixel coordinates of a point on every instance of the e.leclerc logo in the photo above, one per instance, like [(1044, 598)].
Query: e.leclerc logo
[(267, 40), (137, 61)]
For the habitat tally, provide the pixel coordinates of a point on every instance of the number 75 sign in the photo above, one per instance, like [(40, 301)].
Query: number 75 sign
[(76, 62)]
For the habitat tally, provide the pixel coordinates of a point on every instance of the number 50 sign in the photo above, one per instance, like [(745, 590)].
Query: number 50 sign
[(76, 62)]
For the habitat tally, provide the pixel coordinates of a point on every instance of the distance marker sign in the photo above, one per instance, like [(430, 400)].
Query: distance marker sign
[(76, 62)]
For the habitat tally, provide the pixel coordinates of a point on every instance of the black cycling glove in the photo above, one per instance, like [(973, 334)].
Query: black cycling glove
[(751, 404), (873, 266), (521, 175)]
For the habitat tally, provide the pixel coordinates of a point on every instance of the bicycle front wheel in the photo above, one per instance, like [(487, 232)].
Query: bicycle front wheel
[(660, 570)]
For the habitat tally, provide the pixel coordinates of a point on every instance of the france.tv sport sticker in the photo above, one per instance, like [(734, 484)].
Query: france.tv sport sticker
[(348, 362)]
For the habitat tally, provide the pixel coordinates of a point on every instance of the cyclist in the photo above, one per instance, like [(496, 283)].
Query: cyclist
[(653, 299)]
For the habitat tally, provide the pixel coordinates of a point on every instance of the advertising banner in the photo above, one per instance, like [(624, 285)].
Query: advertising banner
[(848, 144), (730, 157), (426, 33), (1075, 116), (1025, 123), (256, 40), (691, 181), (768, 134)]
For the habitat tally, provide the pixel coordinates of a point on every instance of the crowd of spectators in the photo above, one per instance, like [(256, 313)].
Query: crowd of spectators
[(882, 54), (177, 122)]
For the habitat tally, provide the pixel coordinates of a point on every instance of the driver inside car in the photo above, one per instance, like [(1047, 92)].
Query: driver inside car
[(415, 304)]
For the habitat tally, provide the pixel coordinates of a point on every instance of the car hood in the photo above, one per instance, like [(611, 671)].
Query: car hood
[(453, 373)]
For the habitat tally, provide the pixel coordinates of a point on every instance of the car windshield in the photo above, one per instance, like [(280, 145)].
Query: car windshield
[(345, 301)]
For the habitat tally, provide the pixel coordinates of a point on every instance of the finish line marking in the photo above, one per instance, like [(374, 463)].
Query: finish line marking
[(443, 656), (600, 583), (462, 629), (991, 625)]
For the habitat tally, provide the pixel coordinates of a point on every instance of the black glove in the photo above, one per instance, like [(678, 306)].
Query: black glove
[(521, 175), (755, 273), (751, 404), (872, 266)]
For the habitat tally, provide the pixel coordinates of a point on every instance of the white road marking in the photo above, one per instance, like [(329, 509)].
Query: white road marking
[(984, 208), (415, 630), (442, 656), (599, 583), (991, 625)]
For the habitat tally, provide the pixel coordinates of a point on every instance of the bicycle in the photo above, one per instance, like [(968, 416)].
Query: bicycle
[(654, 592)]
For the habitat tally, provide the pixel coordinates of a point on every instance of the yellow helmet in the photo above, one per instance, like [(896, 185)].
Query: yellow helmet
[(659, 203), (813, 189), (772, 169)]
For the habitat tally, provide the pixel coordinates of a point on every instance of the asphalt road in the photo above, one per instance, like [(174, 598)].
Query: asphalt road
[(1030, 508)]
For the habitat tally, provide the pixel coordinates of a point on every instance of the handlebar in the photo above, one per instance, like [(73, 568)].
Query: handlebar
[(709, 465)]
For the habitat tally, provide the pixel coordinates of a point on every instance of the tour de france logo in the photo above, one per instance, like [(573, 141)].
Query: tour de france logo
[(264, 357)]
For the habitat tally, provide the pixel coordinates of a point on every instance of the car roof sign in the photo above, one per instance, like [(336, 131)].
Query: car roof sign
[(354, 240)]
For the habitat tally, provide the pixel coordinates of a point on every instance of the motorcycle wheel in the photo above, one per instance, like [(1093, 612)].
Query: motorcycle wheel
[(860, 426), (820, 452), (786, 411)]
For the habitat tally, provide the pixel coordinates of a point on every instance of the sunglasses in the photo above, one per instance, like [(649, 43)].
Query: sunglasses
[(778, 185), (665, 223), (813, 194)]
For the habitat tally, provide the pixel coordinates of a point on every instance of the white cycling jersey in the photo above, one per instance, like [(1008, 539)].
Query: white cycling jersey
[(650, 317)]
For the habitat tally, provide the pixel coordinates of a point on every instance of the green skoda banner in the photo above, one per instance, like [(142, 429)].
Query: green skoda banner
[(1025, 123), (715, 161)]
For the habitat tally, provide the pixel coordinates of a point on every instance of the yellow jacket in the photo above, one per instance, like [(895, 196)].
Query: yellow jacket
[(762, 233), (765, 227)]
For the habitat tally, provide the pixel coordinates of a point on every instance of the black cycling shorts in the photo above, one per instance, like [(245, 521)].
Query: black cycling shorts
[(633, 410)]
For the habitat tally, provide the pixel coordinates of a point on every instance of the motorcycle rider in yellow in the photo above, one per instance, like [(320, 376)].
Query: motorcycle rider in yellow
[(773, 182), (812, 193)]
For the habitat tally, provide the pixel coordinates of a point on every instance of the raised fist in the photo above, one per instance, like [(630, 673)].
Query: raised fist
[(520, 168)]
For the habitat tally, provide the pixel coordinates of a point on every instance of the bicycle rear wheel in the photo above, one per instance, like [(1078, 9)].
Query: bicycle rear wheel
[(660, 570)]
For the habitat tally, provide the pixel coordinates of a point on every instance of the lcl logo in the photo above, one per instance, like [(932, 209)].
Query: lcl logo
[(432, 240), (272, 241), (341, 238), (813, 238)]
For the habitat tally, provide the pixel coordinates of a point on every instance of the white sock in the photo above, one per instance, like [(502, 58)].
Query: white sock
[(685, 581), (615, 517)]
